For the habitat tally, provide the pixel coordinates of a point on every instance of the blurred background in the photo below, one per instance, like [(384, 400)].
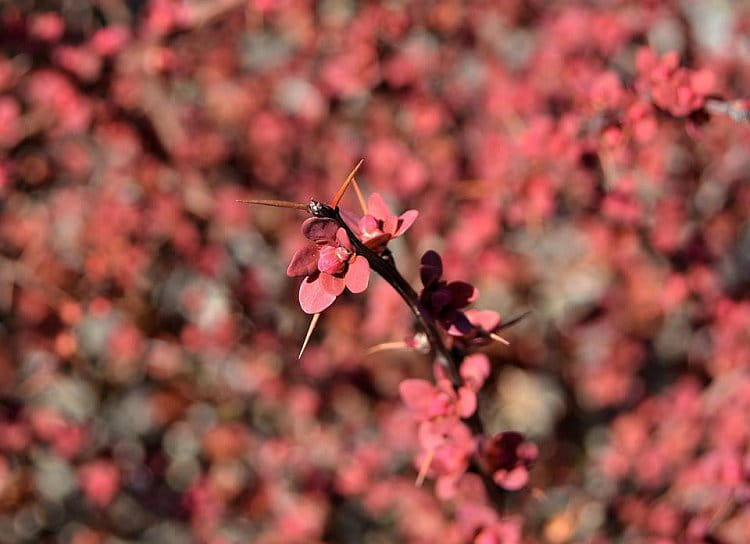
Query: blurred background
[(149, 384)]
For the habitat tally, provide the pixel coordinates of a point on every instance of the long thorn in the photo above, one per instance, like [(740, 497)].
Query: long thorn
[(386, 346), (276, 203), (498, 338), (340, 193), (425, 467), (310, 330), (360, 198), (512, 321)]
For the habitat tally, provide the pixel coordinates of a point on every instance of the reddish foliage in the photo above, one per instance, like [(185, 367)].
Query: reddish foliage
[(583, 160)]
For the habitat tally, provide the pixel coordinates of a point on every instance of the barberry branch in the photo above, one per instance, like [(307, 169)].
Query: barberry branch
[(386, 268)]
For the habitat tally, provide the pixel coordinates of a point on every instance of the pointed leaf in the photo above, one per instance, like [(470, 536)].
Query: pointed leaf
[(358, 274), (312, 297)]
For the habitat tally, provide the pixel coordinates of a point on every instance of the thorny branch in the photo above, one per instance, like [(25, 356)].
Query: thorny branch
[(387, 270)]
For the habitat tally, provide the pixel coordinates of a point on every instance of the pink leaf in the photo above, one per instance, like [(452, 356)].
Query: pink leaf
[(405, 221), (376, 206), (312, 297), (703, 81), (487, 320), (352, 220), (512, 479), (358, 275), (329, 261), (417, 394), (390, 224), (446, 486), (474, 370), (528, 451), (343, 239), (369, 225), (333, 285), (467, 402)]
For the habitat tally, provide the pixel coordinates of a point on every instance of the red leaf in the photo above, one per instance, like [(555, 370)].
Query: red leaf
[(304, 262), (320, 230), (430, 268)]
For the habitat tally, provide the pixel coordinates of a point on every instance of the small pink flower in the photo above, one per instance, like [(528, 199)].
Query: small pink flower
[(329, 265), (379, 225)]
